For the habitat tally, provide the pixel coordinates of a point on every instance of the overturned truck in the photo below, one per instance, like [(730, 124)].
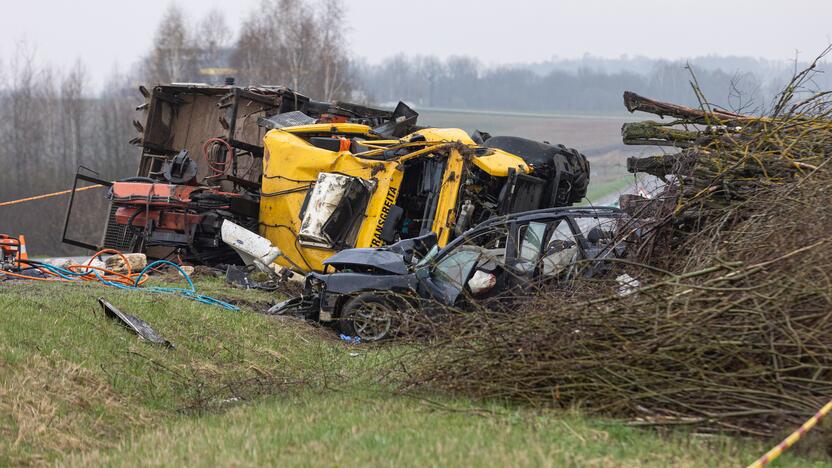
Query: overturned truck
[(315, 178)]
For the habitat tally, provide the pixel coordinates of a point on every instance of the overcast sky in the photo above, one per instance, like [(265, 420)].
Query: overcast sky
[(104, 32)]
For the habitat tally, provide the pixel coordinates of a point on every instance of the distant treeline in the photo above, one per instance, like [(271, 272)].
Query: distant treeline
[(302, 44), (462, 82)]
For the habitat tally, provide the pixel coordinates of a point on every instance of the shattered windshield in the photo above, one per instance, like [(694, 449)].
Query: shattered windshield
[(531, 241), (428, 258), (485, 251), (334, 207), (453, 270)]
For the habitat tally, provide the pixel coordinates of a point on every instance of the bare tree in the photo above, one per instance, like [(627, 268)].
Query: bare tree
[(172, 56), (332, 60), (212, 36), (256, 52), (300, 41), (21, 107), (74, 110), (299, 44)]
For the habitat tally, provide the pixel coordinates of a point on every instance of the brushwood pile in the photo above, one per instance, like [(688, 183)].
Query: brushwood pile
[(730, 330)]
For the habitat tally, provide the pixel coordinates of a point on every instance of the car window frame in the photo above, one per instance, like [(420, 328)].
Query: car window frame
[(452, 293), (449, 286), (461, 240)]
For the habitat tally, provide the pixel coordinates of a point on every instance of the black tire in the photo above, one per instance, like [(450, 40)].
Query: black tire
[(369, 317), (579, 166), (572, 163)]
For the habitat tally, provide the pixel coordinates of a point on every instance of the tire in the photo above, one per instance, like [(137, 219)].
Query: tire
[(572, 163), (369, 317)]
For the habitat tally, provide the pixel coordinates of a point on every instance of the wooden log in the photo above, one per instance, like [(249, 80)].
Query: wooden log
[(654, 133), (633, 102), (662, 165)]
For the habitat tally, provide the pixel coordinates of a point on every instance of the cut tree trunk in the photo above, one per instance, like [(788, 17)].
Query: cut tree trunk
[(654, 133), (662, 165), (633, 102)]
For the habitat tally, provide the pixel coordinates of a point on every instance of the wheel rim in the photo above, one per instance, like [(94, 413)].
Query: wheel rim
[(372, 321)]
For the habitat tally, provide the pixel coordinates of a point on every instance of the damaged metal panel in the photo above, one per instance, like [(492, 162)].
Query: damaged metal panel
[(376, 259), (497, 260), (135, 324), (187, 116)]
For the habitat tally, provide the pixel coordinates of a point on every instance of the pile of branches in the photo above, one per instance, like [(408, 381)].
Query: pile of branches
[(727, 159), (731, 328)]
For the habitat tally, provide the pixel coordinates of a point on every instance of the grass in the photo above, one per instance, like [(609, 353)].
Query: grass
[(601, 191), (245, 389)]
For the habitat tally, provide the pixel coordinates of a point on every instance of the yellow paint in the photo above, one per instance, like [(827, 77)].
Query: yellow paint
[(294, 164), (334, 128), (498, 163), (778, 449), (446, 207), (386, 194)]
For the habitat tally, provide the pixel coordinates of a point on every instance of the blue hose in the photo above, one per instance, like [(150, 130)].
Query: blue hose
[(189, 292)]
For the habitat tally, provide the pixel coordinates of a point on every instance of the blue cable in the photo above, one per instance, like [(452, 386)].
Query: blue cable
[(189, 293)]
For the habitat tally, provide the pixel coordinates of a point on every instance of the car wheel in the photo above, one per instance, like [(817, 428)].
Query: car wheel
[(368, 317)]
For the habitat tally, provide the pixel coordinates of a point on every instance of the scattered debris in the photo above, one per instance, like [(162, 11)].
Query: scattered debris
[(246, 277), (137, 325), (254, 250), (627, 284), (94, 270), (350, 339)]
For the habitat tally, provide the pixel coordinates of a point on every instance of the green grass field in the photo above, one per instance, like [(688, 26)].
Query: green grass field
[(245, 389)]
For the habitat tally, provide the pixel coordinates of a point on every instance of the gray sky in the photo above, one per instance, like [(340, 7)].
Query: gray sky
[(104, 32)]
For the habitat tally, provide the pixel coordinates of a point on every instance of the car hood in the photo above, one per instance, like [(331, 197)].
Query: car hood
[(384, 260)]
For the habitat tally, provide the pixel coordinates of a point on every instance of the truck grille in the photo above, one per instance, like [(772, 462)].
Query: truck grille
[(117, 236)]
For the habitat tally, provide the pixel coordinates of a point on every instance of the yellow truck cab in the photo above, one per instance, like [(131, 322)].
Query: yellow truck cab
[(327, 187)]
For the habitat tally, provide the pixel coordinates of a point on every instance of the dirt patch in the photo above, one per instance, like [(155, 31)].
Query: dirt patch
[(260, 307)]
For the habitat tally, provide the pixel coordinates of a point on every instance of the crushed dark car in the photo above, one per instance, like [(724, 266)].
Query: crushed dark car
[(363, 290)]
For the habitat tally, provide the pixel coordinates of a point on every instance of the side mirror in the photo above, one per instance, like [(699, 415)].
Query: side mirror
[(422, 273)]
